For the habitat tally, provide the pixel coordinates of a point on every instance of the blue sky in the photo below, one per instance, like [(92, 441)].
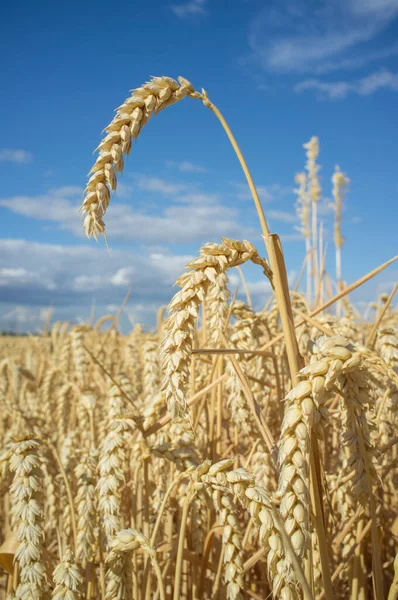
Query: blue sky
[(280, 72)]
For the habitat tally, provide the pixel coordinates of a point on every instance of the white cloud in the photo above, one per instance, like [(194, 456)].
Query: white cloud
[(123, 277), (291, 237), (281, 215), (243, 192), (185, 166), (334, 91), (280, 190), (350, 63), (21, 314), (189, 9), (260, 289), (67, 191), (88, 283), (155, 184), (24, 319), (195, 217), (10, 274), (326, 207), (112, 308), (301, 36), (198, 198), (124, 190), (36, 275), (168, 264), (46, 208), (376, 81), (15, 156), (19, 277), (265, 192), (186, 222), (45, 313), (365, 86)]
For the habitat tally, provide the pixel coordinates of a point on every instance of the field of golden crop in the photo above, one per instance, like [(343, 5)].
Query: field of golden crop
[(229, 454)]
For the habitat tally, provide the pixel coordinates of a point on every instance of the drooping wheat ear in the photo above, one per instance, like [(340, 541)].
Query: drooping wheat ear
[(180, 447), (130, 118), (242, 485), (358, 427), (336, 366), (180, 325), (67, 578), (228, 518), (333, 359), (125, 542), (86, 504), (27, 507), (119, 579)]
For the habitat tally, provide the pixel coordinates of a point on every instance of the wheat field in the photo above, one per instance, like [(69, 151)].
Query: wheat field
[(230, 453)]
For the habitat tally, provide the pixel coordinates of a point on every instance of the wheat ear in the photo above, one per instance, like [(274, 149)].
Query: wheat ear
[(180, 325), (27, 506), (86, 503), (282, 576), (130, 118), (125, 542), (67, 578)]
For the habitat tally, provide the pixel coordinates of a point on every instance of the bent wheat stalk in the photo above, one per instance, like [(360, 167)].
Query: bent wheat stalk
[(134, 113)]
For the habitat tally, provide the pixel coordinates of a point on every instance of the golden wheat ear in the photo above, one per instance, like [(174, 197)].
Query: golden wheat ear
[(126, 126)]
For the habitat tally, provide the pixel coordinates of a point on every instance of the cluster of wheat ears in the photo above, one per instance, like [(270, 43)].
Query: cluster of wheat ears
[(229, 454)]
